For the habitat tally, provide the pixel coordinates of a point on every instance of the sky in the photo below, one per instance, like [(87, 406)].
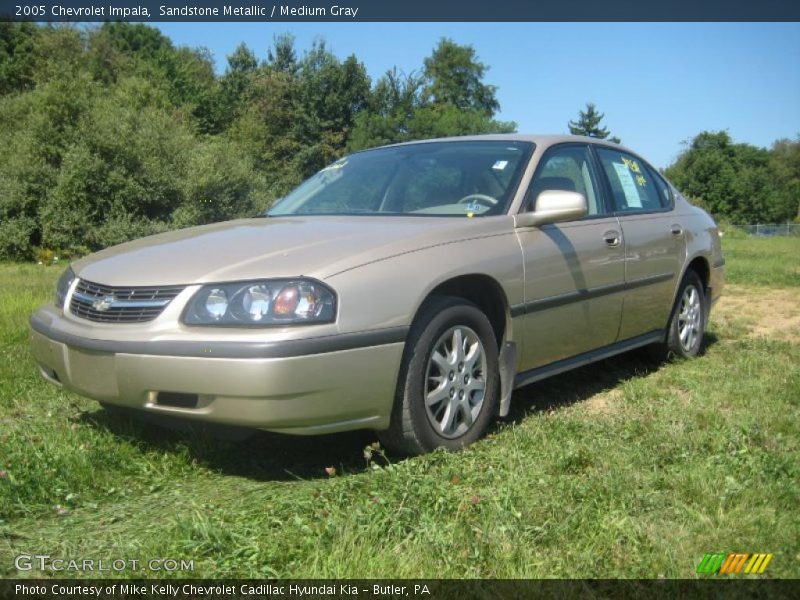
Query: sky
[(659, 84)]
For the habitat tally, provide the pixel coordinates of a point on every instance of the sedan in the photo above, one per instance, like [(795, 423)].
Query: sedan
[(407, 289)]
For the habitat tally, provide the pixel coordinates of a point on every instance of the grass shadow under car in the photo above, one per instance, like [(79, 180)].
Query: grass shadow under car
[(580, 384), (254, 454), (266, 456)]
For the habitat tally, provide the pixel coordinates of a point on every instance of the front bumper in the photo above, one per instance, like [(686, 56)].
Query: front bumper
[(316, 386)]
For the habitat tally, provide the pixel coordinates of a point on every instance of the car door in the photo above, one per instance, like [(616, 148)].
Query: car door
[(574, 271), (655, 243)]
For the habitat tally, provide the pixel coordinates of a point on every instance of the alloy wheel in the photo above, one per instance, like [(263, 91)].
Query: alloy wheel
[(689, 318), (455, 381)]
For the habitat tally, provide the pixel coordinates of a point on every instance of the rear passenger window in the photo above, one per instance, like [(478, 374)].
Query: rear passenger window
[(663, 188), (633, 185)]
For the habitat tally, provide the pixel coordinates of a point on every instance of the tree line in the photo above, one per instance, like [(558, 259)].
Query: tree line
[(740, 183), (110, 133)]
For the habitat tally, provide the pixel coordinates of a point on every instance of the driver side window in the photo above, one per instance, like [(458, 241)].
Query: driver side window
[(566, 168), (434, 184)]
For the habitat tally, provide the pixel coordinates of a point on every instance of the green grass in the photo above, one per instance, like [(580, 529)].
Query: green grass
[(768, 261), (624, 468)]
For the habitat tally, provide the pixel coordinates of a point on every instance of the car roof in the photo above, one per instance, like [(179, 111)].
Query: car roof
[(541, 140)]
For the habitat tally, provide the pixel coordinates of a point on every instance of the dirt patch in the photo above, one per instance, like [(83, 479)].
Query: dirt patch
[(773, 313), (682, 395), (604, 403)]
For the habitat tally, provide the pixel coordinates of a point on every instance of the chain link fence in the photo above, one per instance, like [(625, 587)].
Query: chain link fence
[(771, 229)]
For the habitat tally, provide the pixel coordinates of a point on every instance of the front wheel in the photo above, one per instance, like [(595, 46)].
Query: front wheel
[(447, 390), (688, 323)]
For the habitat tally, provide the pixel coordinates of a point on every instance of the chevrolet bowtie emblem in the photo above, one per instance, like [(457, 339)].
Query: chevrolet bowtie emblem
[(103, 304)]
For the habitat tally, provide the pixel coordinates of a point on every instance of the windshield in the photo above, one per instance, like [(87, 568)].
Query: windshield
[(457, 179)]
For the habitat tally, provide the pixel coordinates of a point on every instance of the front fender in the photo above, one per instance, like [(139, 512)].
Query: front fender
[(389, 292)]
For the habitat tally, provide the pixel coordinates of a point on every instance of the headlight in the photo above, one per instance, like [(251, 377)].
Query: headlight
[(262, 303), (62, 286)]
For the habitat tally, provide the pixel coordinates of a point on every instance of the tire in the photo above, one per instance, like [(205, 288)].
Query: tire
[(687, 324), (446, 397)]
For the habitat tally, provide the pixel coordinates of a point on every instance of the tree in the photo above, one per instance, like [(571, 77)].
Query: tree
[(449, 98), (234, 86), (391, 106), (242, 65), (265, 130), (283, 57), (300, 114), (588, 124), (738, 182), (785, 166), (17, 60), (454, 76), (331, 93)]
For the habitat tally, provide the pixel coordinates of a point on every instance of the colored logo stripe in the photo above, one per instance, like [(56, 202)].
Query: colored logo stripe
[(711, 563), (719, 562), (734, 563), (758, 563)]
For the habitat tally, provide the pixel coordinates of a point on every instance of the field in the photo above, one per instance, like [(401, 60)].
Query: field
[(625, 468)]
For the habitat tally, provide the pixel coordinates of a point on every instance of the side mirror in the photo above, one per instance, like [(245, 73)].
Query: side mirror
[(554, 206)]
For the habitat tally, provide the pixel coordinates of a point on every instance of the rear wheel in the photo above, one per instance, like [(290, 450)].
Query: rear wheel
[(447, 391), (688, 323)]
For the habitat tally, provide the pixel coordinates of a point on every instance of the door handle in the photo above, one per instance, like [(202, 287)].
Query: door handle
[(676, 230), (612, 238)]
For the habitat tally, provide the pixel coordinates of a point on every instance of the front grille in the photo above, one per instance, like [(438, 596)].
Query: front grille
[(107, 304)]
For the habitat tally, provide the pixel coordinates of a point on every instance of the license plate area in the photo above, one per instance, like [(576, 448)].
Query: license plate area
[(93, 372)]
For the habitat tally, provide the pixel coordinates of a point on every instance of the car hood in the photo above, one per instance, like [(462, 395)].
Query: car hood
[(317, 246)]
